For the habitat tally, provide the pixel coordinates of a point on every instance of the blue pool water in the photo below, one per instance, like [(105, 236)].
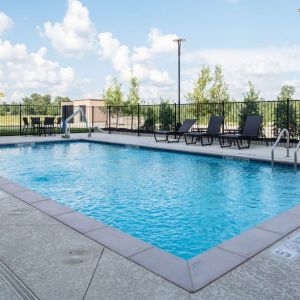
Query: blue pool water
[(184, 204)]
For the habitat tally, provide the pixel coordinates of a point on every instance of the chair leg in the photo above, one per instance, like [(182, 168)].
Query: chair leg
[(266, 140), (157, 140), (176, 140), (211, 138), (243, 147), (192, 138), (222, 143)]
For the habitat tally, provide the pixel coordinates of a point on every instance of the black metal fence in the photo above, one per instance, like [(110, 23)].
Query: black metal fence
[(145, 119)]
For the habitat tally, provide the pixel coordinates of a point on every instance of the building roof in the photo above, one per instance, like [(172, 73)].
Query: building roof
[(88, 100)]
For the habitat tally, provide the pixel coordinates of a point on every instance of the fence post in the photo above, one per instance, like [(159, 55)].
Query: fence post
[(288, 114), (92, 116), (109, 130), (20, 118), (138, 120), (223, 114), (175, 116)]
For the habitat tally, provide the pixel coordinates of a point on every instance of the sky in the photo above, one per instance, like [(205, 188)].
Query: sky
[(75, 47)]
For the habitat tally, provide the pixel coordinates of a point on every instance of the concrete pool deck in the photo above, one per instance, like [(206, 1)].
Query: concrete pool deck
[(255, 152), (58, 248)]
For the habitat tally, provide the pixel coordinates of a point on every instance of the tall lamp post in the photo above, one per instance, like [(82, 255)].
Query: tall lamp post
[(179, 41)]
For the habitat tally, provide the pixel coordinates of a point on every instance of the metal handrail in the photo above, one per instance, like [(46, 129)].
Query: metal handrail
[(81, 112), (295, 156), (283, 131)]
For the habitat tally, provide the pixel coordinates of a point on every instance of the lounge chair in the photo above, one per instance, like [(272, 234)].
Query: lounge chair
[(249, 132), (213, 130), (184, 128)]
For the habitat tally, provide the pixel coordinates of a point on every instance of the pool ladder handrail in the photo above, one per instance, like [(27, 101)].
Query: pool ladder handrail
[(81, 112), (295, 156), (283, 131)]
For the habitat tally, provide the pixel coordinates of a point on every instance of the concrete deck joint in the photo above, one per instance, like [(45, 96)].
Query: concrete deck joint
[(92, 277)]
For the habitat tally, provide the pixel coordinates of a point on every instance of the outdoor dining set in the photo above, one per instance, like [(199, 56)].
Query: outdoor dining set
[(36, 126)]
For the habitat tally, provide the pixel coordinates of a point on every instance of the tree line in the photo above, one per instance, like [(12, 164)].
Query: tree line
[(35, 104), (209, 91)]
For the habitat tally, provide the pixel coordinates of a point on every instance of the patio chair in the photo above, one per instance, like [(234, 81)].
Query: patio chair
[(36, 125), (48, 126), (249, 132), (26, 126), (213, 130), (184, 128)]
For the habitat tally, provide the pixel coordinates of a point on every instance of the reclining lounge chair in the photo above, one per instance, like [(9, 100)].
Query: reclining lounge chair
[(184, 128), (213, 130), (250, 131)]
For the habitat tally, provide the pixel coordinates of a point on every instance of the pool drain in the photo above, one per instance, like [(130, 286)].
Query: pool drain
[(15, 283)]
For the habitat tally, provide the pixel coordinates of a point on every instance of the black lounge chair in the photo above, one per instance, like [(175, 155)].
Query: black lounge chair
[(213, 130), (184, 128), (250, 131)]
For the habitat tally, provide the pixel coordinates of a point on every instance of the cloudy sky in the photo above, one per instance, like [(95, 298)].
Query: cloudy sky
[(73, 48)]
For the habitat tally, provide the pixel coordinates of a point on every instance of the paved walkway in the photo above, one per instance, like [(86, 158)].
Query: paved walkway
[(43, 258)]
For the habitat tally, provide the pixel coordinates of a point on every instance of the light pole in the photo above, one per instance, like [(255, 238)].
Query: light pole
[(179, 41)]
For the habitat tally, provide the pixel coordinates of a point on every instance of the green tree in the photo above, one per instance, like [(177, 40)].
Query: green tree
[(199, 97), (133, 99), (150, 118), (14, 108), (37, 99), (37, 104), (251, 104), (166, 114), (285, 111), (4, 109), (209, 91), (55, 108), (58, 100), (200, 93), (113, 97), (218, 92)]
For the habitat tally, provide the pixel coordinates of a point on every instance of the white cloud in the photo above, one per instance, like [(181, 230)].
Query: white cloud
[(118, 54), (24, 71), (267, 67), (137, 64), (75, 34), (5, 23), (264, 61), (159, 43)]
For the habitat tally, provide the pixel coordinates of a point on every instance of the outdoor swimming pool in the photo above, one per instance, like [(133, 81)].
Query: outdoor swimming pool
[(180, 203)]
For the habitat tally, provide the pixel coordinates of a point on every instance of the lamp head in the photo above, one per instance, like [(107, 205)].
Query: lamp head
[(179, 40)]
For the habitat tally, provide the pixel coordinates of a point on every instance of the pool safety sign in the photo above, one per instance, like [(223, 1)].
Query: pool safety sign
[(289, 249)]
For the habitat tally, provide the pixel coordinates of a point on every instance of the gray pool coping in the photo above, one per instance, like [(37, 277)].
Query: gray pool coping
[(191, 275)]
